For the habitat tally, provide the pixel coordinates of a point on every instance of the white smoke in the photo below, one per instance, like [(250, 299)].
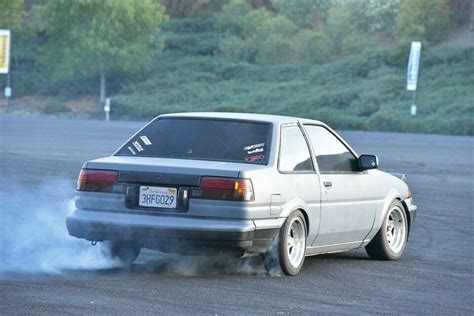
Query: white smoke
[(34, 239), (33, 235)]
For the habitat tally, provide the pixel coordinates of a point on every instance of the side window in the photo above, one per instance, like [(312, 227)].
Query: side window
[(294, 153), (332, 155)]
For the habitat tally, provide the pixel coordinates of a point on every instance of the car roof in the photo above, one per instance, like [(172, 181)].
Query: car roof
[(275, 119)]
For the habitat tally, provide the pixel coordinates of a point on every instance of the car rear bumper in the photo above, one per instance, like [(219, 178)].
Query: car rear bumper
[(173, 234)]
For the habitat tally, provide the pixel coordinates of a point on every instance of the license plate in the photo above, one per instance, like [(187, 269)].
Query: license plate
[(157, 197)]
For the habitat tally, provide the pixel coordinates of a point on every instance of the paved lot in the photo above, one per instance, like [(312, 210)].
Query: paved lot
[(44, 271)]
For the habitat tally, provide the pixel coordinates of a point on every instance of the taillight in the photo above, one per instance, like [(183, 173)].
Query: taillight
[(96, 180), (231, 189)]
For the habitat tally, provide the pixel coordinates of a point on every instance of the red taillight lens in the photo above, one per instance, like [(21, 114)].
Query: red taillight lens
[(227, 189), (96, 180)]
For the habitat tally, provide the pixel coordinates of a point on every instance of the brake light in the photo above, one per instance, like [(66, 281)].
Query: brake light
[(230, 189), (96, 180)]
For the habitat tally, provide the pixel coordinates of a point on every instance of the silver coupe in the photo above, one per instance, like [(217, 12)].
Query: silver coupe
[(284, 187)]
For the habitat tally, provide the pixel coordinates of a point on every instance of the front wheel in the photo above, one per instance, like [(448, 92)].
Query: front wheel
[(390, 241), (287, 252)]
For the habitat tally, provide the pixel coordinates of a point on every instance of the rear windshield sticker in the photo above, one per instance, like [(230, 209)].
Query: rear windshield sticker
[(256, 150), (131, 150), (250, 147), (254, 158), (145, 140), (137, 146)]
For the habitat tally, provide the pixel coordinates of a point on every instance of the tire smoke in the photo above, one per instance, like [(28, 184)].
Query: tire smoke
[(34, 240), (33, 235)]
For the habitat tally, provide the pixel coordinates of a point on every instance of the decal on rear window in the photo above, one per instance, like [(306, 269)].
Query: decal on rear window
[(138, 146), (254, 158), (131, 150), (250, 147), (257, 150), (145, 140)]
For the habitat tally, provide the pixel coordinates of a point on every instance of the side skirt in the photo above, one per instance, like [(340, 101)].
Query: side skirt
[(319, 250)]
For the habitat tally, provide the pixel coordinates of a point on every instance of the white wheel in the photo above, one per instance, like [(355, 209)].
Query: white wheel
[(395, 229), (391, 239), (296, 242), (286, 254)]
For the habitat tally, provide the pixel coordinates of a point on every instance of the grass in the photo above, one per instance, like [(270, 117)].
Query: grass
[(363, 92)]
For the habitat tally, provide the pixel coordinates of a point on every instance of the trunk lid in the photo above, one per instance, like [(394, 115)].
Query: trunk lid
[(181, 175), (130, 165)]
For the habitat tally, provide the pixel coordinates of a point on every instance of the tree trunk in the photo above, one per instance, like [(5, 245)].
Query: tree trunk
[(102, 88)]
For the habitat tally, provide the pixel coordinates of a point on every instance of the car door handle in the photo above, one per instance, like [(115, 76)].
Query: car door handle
[(328, 184)]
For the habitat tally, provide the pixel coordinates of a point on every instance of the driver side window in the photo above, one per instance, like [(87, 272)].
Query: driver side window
[(332, 155)]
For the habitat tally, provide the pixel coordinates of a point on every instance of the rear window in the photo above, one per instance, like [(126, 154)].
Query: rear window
[(203, 139)]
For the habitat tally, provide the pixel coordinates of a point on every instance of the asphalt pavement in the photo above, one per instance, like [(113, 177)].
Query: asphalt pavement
[(43, 271)]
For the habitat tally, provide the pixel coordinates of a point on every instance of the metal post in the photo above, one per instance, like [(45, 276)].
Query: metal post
[(8, 85), (413, 106), (107, 109)]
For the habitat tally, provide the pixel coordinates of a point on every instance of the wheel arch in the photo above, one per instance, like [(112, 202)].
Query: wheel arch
[(306, 218), (305, 215), (297, 205), (407, 213), (382, 210)]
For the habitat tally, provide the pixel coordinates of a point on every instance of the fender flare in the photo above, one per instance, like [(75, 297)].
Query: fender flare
[(294, 205), (381, 213)]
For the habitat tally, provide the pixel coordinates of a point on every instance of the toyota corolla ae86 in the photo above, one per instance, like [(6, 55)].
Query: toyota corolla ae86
[(208, 183)]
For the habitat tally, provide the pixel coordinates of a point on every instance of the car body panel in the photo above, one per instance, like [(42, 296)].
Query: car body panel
[(348, 208)]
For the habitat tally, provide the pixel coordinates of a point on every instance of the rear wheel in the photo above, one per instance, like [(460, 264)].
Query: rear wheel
[(125, 251), (287, 252), (390, 241)]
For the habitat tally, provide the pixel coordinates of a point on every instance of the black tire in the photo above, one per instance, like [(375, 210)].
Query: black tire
[(125, 251), (382, 247), (277, 258)]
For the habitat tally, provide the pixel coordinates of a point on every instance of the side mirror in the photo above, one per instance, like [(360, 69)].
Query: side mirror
[(367, 162)]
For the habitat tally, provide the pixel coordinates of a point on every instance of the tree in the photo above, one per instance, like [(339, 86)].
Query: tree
[(101, 37), (374, 16), (192, 8), (343, 36), (304, 13), (11, 12), (255, 35), (461, 10), (423, 20)]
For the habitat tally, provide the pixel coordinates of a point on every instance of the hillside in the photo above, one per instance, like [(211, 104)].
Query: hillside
[(365, 91), (361, 91)]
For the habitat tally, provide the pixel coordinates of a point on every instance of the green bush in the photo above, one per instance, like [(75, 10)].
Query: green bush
[(362, 91), (374, 16), (256, 35), (312, 47), (343, 36), (260, 36), (304, 13), (55, 107), (422, 20)]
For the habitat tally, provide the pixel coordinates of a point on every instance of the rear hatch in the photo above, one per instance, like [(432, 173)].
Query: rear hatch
[(166, 163)]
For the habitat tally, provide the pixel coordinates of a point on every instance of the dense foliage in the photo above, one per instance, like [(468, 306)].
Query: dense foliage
[(423, 20), (364, 91), (340, 61), (98, 38)]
